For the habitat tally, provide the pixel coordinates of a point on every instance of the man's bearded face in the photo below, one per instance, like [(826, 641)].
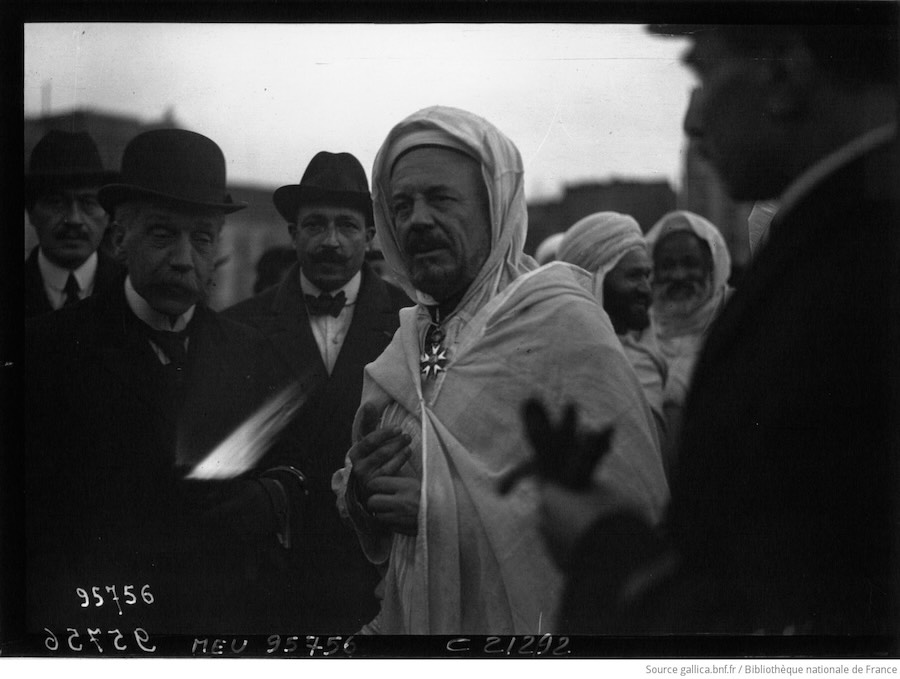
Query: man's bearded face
[(682, 273), (626, 292), (440, 208)]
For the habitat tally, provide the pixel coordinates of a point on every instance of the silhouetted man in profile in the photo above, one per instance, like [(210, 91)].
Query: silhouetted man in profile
[(783, 516)]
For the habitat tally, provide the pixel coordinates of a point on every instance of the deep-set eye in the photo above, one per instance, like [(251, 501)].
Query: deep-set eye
[(313, 226), (203, 238), (90, 204), (159, 232), (399, 208)]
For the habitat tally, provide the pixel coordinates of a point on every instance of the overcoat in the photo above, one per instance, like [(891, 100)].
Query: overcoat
[(110, 435), (336, 582)]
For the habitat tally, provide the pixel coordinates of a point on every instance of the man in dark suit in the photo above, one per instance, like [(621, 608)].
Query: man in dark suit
[(330, 317), (65, 174), (784, 512), (125, 393)]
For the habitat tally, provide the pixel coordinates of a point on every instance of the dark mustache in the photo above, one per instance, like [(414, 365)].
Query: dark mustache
[(689, 286), (642, 297), (327, 257), (71, 231), (423, 243)]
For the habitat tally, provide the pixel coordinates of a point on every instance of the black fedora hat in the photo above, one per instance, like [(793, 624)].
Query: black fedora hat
[(330, 178), (65, 158), (175, 166)]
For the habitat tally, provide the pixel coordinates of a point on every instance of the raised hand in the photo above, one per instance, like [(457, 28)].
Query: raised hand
[(562, 453)]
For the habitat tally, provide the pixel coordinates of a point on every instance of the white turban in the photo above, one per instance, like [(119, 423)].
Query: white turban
[(598, 242), (546, 251)]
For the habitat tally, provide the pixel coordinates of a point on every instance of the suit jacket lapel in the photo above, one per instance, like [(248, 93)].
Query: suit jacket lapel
[(373, 325), (124, 352), (291, 335), (36, 301)]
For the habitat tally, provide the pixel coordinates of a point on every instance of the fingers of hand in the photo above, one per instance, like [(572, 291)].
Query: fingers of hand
[(395, 462), (368, 419), (372, 442), (398, 507), (395, 499), (390, 454), (387, 487), (552, 443), (537, 424)]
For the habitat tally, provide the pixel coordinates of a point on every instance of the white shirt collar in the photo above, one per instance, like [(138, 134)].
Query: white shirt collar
[(152, 317), (55, 276), (847, 153), (350, 288)]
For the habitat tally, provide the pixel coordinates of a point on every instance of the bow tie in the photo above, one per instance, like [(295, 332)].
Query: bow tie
[(325, 304)]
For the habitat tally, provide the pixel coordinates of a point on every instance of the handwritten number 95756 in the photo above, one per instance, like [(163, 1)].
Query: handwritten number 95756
[(76, 642), (96, 596), (331, 645)]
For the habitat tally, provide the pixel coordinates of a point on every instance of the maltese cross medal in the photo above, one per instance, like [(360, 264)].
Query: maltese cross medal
[(433, 360)]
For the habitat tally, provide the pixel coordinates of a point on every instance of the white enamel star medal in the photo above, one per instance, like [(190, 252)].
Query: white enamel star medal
[(434, 358)]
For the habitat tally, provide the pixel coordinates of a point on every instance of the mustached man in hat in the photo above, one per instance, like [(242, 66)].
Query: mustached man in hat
[(331, 316), (64, 175), (126, 393)]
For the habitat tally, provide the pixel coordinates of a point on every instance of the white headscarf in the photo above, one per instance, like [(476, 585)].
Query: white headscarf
[(501, 167), (546, 251), (698, 321), (598, 242)]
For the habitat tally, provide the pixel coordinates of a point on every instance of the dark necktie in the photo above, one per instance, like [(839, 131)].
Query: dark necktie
[(325, 304), (172, 345), (72, 290)]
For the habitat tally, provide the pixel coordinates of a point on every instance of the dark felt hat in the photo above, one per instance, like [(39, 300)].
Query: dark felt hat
[(65, 158), (330, 178), (175, 166)]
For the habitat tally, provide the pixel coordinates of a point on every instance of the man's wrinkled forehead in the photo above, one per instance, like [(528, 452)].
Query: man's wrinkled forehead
[(425, 139)]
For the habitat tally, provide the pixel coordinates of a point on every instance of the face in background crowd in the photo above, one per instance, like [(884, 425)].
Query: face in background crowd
[(69, 222), (170, 252), (682, 273), (627, 294), (331, 244), (440, 208)]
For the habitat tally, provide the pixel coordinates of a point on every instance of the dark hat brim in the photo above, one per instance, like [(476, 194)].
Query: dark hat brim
[(99, 178), (288, 199), (113, 195)]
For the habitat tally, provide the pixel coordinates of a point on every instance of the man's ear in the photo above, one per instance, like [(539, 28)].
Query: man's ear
[(292, 230), (370, 234)]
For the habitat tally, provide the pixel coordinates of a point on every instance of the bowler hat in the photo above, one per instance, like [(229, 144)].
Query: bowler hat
[(330, 178), (175, 166), (63, 158)]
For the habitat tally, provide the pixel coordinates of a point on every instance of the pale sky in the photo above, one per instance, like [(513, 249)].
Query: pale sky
[(582, 102)]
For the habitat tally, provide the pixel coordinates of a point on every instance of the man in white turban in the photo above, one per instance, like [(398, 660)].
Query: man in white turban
[(611, 246), (440, 418), (691, 267)]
